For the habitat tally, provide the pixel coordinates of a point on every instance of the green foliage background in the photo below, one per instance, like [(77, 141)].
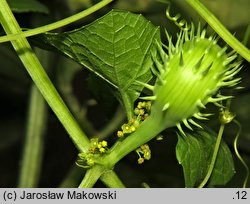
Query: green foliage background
[(81, 90)]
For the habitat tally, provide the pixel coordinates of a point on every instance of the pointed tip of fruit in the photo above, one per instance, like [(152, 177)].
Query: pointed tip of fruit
[(203, 34), (148, 86), (205, 72), (185, 122), (148, 98), (198, 64), (199, 116), (178, 125), (229, 59), (231, 73), (181, 63), (230, 83), (165, 107), (223, 51), (219, 98), (200, 104), (194, 123)]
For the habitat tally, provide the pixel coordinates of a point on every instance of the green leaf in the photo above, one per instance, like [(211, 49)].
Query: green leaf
[(116, 47), (194, 153), (21, 6)]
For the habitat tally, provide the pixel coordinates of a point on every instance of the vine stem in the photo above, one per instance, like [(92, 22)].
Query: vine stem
[(214, 156), (33, 146), (112, 180), (92, 175), (238, 154), (220, 29), (149, 129), (57, 24), (41, 79)]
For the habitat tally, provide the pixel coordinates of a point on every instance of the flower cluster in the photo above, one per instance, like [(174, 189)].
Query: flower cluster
[(141, 112), (96, 148), (144, 152), (143, 109)]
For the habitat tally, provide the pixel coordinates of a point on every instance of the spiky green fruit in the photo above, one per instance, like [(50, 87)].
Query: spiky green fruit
[(189, 77)]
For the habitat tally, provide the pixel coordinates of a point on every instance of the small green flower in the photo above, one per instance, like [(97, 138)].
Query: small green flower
[(90, 162), (120, 134), (140, 160), (104, 143), (102, 150), (226, 116), (126, 128), (143, 152)]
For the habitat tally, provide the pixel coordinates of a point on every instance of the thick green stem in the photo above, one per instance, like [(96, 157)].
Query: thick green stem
[(220, 29), (112, 180), (108, 177), (33, 145), (57, 24), (91, 176), (149, 129), (41, 79)]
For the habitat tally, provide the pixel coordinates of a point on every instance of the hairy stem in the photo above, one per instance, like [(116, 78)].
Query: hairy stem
[(220, 29)]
